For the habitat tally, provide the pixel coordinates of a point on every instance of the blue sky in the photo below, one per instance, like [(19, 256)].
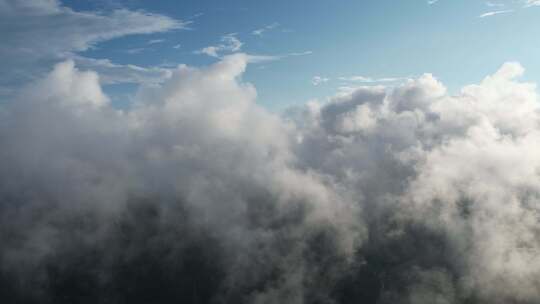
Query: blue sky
[(316, 47)]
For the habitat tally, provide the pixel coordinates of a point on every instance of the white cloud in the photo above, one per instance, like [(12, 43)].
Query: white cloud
[(36, 33), (494, 4), (463, 165), (197, 152), (364, 79), (229, 44), (530, 3), (155, 41), (135, 50), (111, 73), (433, 195), (261, 31), (299, 54), (317, 80), (493, 13)]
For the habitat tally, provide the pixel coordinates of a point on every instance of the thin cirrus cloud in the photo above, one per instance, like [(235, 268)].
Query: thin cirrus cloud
[(261, 31), (363, 79), (229, 44), (494, 13), (532, 3), (516, 5), (112, 73), (155, 41), (494, 4), (317, 80), (393, 190), (24, 52)]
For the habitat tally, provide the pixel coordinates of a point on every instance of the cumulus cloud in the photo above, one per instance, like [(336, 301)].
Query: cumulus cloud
[(195, 176), (196, 193), (462, 169)]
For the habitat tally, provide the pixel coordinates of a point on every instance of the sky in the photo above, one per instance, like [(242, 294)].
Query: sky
[(257, 152), (311, 48)]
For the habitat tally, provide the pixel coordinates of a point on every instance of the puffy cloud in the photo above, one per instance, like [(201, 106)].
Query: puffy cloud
[(403, 195), (196, 175), (462, 168)]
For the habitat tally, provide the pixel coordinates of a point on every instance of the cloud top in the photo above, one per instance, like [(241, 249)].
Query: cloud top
[(197, 193)]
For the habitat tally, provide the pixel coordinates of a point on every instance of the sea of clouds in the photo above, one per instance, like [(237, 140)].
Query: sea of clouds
[(197, 194)]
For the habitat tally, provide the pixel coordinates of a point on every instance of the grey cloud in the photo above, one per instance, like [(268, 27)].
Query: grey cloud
[(197, 194), (193, 193), (460, 169)]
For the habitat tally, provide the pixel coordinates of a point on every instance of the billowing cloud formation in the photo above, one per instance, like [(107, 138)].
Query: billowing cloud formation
[(193, 194), (455, 175), (197, 194)]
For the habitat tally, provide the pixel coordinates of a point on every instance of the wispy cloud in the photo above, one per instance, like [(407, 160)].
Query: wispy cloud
[(113, 73), (364, 79), (493, 13), (530, 3), (37, 32), (261, 31), (229, 43), (195, 16), (317, 80), (293, 54), (430, 2), (495, 4), (155, 41), (299, 53), (135, 50)]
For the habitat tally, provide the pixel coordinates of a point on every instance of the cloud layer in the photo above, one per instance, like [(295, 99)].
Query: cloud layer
[(197, 194), (25, 25)]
